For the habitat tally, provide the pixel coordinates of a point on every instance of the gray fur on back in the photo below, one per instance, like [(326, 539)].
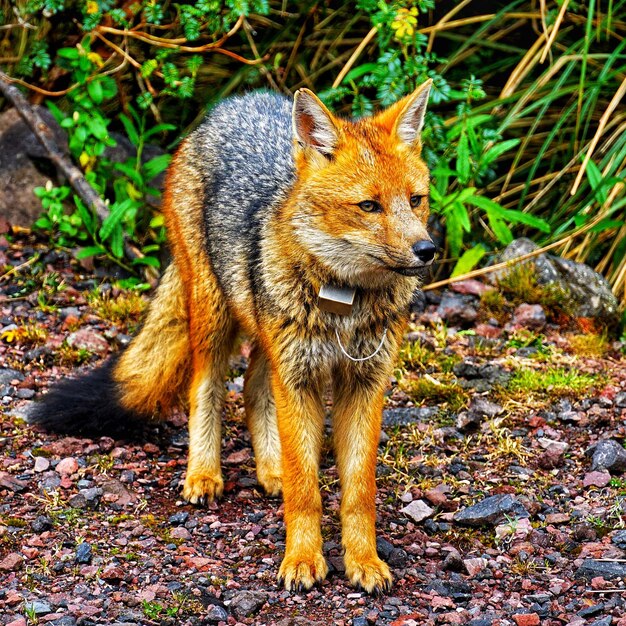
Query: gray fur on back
[(246, 147)]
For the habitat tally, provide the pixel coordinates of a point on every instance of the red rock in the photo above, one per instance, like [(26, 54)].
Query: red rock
[(66, 446), (436, 496), (198, 562), (11, 562), (88, 339), (67, 466), (151, 448), (112, 573), (600, 583), (7, 481), (71, 321), (453, 617), (241, 456), (408, 620), (471, 286), (180, 532), (442, 602), (12, 597), (557, 518), (488, 331), (529, 316), (597, 479), (30, 553), (20, 621), (115, 491), (552, 458), (536, 421), (526, 619), (474, 566)]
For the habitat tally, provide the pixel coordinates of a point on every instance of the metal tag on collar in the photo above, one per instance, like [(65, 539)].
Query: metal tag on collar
[(336, 299)]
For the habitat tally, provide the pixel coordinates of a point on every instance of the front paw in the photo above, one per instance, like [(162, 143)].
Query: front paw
[(270, 479), (302, 571), (200, 487), (371, 574)]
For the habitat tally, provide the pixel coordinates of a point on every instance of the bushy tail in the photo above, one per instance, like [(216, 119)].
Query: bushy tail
[(143, 382)]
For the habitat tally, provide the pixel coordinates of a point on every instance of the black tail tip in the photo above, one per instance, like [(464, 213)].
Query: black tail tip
[(88, 405)]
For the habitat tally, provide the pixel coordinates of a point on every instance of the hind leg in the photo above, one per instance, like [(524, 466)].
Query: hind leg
[(212, 335), (261, 418)]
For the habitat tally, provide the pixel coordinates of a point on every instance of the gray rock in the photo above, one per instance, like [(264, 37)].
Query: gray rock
[(619, 539), (25, 394), (408, 415), (620, 400), (384, 548), (604, 621), (50, 481), (83, 553), (480, 376), (591, 568), (41, 523), (247, 603), (86, 498), (215, 613), (457, 309), (398, 558), (38, 607), (588, 291), (453, 562), (360, 621), (592, 610), (546, 271), (66, 620), (491, 510), (417, 510), (479, 410), (607, 455), (69, 311), (7, 375), (178, 519)]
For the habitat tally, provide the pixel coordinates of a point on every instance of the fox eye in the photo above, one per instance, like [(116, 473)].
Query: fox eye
[(415, 201), (370, 206)]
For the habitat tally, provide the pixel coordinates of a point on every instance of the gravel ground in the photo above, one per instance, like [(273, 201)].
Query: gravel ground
[(502, 494)]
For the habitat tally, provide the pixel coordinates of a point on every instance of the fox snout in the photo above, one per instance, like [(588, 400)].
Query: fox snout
[(424, 250)]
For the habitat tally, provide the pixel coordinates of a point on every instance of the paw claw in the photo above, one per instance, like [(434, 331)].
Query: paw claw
[(202, 488), (370, 575), (300, 573), (270, 480)]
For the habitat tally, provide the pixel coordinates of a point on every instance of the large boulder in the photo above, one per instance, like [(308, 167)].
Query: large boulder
[(24, 165), (590, 293)]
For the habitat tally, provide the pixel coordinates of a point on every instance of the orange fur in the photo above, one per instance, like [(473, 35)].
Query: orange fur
[(284, 385)]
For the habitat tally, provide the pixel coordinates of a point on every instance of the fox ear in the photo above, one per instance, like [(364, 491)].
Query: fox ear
[(408, 114), (313, 124)]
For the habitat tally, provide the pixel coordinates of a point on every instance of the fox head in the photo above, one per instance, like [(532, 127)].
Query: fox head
[(362, 191)]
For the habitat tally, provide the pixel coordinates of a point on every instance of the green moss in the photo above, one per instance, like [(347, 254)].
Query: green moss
[(16, 522), (494, 304), (553, 382), (519, 285), (589, 345), (427, 390)]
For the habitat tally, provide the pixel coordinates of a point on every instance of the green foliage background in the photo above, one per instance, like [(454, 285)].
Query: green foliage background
[(523, 92)]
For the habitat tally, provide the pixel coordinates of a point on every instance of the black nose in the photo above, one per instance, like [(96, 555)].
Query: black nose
[(424, 250)]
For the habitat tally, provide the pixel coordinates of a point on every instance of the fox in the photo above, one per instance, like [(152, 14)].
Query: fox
[(270, 204)]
